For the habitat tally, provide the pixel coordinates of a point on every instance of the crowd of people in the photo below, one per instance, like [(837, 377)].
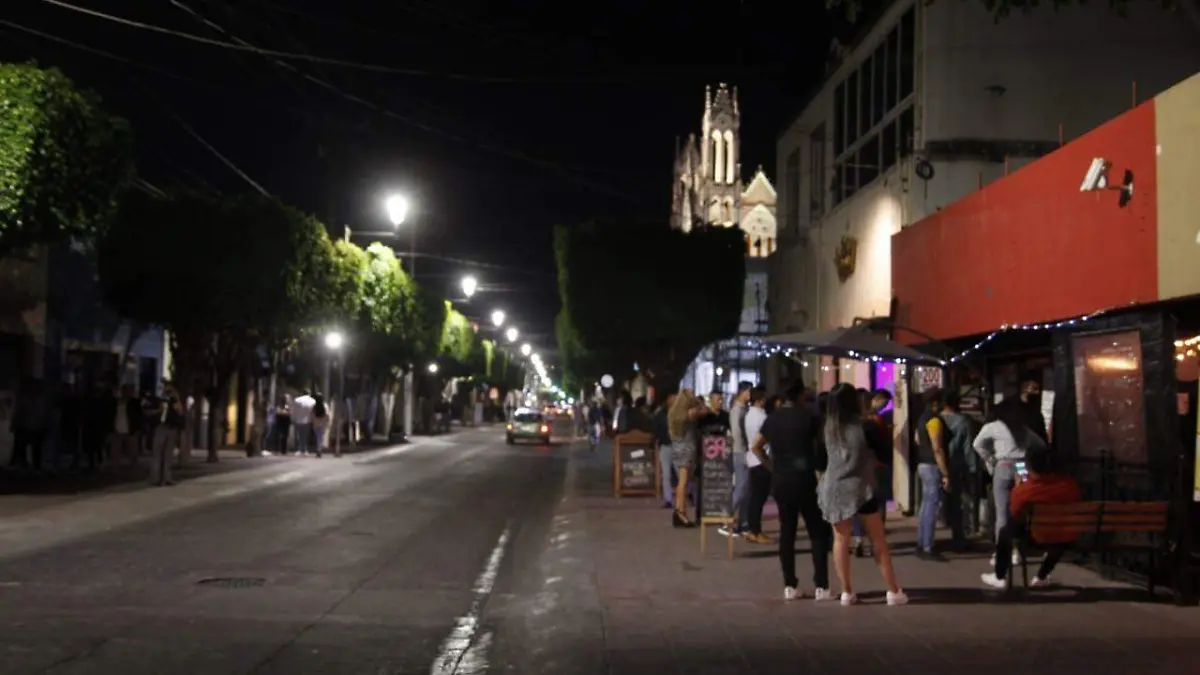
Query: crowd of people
[(80, 429), (826, 459)]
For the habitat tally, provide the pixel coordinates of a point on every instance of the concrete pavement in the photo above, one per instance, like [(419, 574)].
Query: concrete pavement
[(623, 592), (464, 555)]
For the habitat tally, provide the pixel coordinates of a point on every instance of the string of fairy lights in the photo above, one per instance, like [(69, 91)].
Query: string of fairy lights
[(1191, 345), (1187, 349)]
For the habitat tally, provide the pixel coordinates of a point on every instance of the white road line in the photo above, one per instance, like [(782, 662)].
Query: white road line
[(460, 652)]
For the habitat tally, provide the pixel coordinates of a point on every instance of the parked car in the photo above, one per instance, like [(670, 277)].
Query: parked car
[(528, 424)]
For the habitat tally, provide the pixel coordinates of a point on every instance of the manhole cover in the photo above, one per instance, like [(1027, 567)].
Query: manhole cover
[(233, 582)]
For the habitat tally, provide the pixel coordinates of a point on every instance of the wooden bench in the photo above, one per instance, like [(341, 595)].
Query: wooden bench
[(1099, 519)]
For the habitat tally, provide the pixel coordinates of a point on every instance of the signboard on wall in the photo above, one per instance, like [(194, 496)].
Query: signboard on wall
[(1108, 389)]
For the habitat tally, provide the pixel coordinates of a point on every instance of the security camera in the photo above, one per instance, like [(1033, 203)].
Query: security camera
[(1097, 176)]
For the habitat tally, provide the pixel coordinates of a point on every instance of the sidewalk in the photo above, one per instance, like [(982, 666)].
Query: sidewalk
[(667, 608)]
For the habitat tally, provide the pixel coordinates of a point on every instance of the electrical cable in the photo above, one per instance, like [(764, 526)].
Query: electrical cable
[(495, 149), (330, 61), (544, 163)]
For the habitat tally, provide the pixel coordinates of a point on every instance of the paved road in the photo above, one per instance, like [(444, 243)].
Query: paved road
[(380, 563)]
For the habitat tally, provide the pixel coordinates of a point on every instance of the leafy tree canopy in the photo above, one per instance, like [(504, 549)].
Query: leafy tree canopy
[(458, 337), (63, 160), (189, 262), (638, 292)]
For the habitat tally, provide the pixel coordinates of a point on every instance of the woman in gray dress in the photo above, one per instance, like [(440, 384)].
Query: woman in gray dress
[(848, 489)]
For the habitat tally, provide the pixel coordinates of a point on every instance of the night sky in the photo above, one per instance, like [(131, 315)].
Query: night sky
[(511, 117)]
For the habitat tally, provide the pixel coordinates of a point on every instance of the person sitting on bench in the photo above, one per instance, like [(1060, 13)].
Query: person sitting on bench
[(1043, 485)]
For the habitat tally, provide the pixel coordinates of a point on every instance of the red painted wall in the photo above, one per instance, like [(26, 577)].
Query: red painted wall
[(1031, 247)]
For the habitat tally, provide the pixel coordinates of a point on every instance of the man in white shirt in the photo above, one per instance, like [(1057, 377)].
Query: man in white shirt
[(302, 420), (760, 476)]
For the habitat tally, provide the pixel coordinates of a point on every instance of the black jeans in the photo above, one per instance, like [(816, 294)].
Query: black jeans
[(760, 489), (1004, 545), (796, 497)]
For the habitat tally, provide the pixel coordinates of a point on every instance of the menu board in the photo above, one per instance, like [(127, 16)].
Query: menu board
[(716, 477), (1108, 393), (635, 465)]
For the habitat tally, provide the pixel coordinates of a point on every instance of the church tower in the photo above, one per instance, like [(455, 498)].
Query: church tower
[(720, 158)]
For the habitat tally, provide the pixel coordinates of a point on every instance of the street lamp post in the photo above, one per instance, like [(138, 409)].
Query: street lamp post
[(498, 317), (334, 342), (512, 333)]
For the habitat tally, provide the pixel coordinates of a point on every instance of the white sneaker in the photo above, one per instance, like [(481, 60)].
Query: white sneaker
[(897, 598), (992, 580), (822, 594), (727, 531), (791, 593), (1038, 581), (849, 599)]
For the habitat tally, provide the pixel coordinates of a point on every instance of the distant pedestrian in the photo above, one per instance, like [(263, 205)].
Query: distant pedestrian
[(127, 427), (30, 425), (302, 420), (741, 472), (682, 420), (758, 476), (662, 436), (320, 423), (167, 437)]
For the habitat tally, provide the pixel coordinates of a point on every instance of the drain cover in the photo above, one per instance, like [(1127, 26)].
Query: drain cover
[(233, 582)]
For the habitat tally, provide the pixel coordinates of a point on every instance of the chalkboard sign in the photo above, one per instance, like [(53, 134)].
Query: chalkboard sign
[(635, 465), (716, 478)]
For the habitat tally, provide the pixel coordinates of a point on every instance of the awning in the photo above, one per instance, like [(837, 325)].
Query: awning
[(857, 342)]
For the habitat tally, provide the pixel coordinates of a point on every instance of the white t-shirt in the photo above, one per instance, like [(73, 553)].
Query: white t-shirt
[(755, 416), (302, 410)]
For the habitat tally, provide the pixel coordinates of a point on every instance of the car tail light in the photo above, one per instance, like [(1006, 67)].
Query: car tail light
[(545, 428)]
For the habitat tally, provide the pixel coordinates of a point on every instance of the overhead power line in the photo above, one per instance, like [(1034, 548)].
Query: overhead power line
[(568, 171), (330, 61)]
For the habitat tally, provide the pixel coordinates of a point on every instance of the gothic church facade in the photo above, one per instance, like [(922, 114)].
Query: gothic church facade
[(708, 188)]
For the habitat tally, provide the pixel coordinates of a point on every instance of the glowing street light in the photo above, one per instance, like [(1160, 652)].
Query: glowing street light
[(469, 285), (334, 340), (512, 333), (498, 318), (526, 350), (397, 209), (433, 367)]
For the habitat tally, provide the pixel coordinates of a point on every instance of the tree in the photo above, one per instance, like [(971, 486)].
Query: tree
[(458, 340), (222, 275), (638, 292), (854, 9), (63, 160)]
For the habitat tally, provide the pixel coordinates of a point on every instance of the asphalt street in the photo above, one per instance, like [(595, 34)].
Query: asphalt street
[(404, 560)]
